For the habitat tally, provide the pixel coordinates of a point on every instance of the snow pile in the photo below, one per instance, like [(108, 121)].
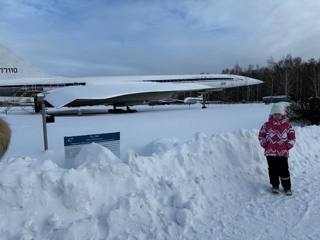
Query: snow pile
[(159, 145), (205, 188)]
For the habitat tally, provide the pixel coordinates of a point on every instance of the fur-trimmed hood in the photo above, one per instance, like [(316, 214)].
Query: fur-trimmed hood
[(5, 136)]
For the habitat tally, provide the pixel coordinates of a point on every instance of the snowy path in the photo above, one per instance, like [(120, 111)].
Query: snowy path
[(268, 216)]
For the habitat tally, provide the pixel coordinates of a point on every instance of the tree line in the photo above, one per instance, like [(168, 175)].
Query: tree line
[(290, 76)]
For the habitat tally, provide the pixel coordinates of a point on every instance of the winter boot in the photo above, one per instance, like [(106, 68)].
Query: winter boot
[(288, 192), (275, 190)]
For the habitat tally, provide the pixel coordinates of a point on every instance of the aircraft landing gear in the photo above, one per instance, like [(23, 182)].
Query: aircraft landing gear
[(37, 105), (117, 110), (204, 101), (129, 110)]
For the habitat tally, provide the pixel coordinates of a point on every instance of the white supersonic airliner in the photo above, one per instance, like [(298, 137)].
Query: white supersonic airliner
[(17, 79), (124, 91)]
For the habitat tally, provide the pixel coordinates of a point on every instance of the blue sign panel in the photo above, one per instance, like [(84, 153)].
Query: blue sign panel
[(74, 144)]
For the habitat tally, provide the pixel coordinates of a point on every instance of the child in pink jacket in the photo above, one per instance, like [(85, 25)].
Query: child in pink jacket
[(277, 137)]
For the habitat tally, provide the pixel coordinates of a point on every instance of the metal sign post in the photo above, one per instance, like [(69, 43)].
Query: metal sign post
[(44, 122)]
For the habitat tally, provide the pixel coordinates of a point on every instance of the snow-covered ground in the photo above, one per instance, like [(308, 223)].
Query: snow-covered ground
[(174, 123), (183, 174)]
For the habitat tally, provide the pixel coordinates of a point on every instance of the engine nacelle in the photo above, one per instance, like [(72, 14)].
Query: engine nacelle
[(192, 100)]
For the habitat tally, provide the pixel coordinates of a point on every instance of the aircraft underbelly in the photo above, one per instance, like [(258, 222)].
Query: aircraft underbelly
[(125, 100)]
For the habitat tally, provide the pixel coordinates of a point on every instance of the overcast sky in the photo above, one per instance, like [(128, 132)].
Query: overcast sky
[(96, 37)]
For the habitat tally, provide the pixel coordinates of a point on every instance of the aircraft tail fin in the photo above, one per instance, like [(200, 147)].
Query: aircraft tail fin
[(12, 66)]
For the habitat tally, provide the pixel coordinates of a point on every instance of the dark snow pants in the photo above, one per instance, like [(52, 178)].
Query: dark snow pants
[(278, 168)]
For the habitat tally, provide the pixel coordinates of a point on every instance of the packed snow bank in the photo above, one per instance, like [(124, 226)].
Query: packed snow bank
[(209, 187)]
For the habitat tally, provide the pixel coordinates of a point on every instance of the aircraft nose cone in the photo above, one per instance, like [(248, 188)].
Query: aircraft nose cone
[(259, 81), (254, 81)]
